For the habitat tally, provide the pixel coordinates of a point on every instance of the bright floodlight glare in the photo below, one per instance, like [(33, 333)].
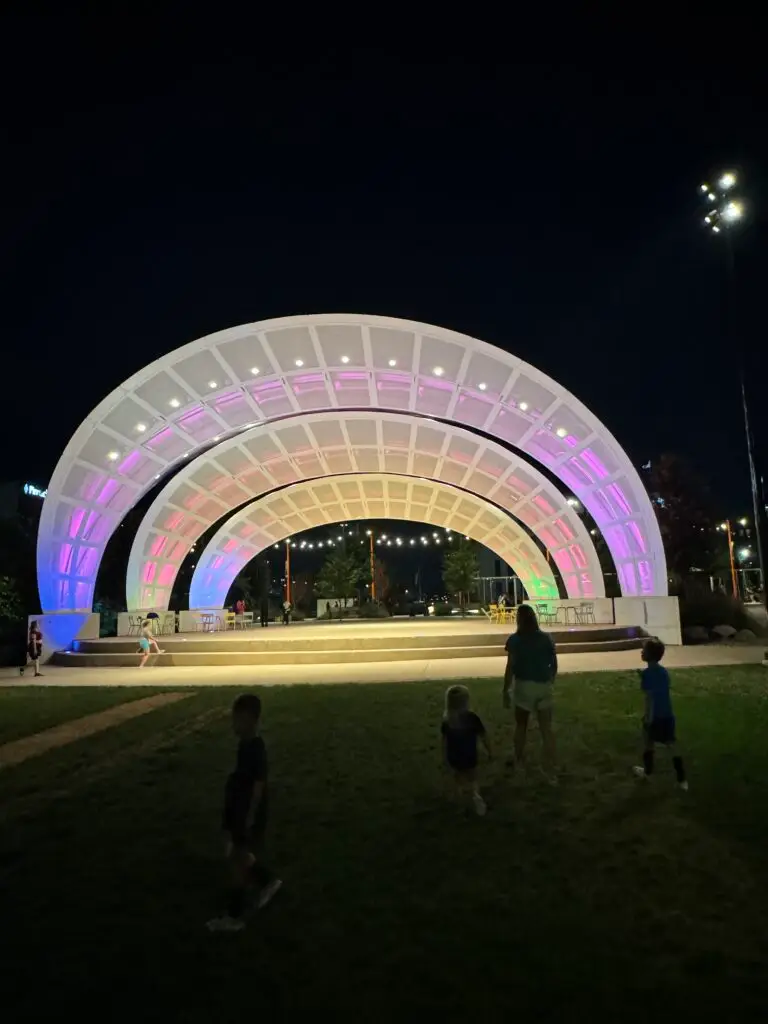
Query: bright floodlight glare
[(705, 188), (743, 521), (728, 180), (732, 211), (716, 229), (711, 196), (745, 553), (707, 220)]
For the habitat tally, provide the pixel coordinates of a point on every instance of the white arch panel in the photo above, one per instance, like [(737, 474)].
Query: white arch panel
[(273, 455), (305, 505), (216, 386)]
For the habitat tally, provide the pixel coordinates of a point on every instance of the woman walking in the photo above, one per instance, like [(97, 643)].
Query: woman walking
[(35, 646), (531, 670)]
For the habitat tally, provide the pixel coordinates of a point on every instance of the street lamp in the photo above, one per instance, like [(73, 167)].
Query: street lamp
[(724, 211), (726, 527)]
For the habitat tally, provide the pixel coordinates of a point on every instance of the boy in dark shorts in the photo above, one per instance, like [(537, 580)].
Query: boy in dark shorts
[(460, 730), (245, 817), (659, 719)]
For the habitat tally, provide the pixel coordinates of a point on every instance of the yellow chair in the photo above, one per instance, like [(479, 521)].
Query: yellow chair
[(493, 612), (229, 620)]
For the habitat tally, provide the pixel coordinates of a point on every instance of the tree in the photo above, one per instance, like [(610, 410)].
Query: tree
[(10, 602), (342, 574), (687, 516), (460, 570)]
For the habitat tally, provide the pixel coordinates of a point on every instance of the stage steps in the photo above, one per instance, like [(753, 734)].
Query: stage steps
[(292, 647)]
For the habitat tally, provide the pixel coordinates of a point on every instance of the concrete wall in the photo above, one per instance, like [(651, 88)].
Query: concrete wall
[(659, 616), (603, 608), (60, 629)]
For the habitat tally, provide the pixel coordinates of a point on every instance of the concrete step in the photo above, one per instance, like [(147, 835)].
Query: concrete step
[(285, 642), (232, 655)]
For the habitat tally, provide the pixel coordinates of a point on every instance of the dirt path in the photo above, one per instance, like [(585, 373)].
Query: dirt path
[(31, 746)]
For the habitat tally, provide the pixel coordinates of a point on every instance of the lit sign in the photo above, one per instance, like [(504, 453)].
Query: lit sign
[(35, 492)]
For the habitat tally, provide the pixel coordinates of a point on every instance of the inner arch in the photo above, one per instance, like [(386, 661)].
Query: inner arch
[(322, 445), (303, 506)]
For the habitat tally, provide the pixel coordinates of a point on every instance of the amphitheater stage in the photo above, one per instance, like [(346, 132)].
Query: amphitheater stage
[(342, 643)]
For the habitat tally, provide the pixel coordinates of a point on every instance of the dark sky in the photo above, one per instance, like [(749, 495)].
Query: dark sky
[(167, 180)]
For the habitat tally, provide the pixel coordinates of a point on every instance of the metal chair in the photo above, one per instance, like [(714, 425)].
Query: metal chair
[(586, 613), (134, 624), (545, 613)]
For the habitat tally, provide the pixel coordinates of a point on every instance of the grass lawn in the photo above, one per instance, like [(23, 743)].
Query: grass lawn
[(25, 710), (601, 900)]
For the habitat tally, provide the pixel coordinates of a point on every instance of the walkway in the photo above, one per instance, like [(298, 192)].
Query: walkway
[(379, 672)]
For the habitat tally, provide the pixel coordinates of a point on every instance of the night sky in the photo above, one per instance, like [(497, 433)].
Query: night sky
[(163, 183)]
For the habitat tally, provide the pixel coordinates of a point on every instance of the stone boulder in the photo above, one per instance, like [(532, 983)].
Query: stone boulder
[(695, 635), (724, 632), (745, 636)]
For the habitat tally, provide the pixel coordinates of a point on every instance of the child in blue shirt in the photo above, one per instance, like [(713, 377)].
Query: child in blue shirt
[(659, 719)]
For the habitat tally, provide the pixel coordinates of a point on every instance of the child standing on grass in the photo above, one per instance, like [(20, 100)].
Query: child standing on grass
[(460, 730), (245, 817), (659, 719)]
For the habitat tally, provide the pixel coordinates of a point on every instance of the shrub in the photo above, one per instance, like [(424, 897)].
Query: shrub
[(443, 608), (710, 609)]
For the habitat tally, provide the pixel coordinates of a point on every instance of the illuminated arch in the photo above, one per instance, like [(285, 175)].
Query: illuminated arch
[(273, 455), (292, 366), (302, 506)]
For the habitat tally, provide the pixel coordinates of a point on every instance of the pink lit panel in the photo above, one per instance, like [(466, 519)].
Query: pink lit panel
[(637, 535), (472, 410), (626, 571), (174, 521), (65, 558), (234, 409), (107, 492), (97, 528), (549, 539), (271, 398), (230, 545), (87, 562), (564, 529), (646, 577), (595, 464), (158, 545), (579, 558), (148, 575), (529, 515), (620, 499), (563, 560), (166, 576), (617, 541), (199, 424), (544, 505), (176, 551), (129, 463)]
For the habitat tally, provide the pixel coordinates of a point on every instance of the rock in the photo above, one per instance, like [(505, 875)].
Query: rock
[(724, 632), (745, 636), (695, 635)]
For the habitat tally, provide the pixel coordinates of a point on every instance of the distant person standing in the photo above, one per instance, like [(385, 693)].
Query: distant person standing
[(264, 612), (240, 607), (35, 646), (286, 613)]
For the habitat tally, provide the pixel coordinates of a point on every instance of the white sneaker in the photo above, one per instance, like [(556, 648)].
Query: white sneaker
[(479, 804), (683, 786), (640, 772), (268, 892), (226, 924)]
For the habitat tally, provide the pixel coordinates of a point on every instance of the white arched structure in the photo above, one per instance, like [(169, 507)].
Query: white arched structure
[(323, 445), (303, 506), (293, 366)]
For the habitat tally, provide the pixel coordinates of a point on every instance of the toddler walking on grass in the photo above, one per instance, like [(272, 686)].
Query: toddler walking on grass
[(245, 817), (460, 730), (658, 720)]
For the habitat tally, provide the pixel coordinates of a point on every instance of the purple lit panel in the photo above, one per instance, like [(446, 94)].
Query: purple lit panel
[(646, 577), (620, 498), (626, 571), (97, 528), (472, 410), (129, 463), (637, 536), (543, 456), (167, 443), (234, 409), (617, 541), (75, 520), (271, 398), (65, 559), (433, 397), (577, 476), (87, 562), (595, 464), (509, 426)]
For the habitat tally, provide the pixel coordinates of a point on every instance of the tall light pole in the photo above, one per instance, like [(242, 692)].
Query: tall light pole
[(726, 526), (373, 565), (724, 211)]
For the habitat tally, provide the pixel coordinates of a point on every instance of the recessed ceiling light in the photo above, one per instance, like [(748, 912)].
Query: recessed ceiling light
[(212, 385), (113, 456), (524, 406), (438, 371), (217, 438), (174, 403), (482, 386), (254, 370), (141, 427), (345, 359), (561, 431), (299, 362), (393, 362)]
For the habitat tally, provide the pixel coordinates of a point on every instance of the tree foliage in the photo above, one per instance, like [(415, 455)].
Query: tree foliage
[(460, 569), (342, 574), (687, 516), (11, 609)]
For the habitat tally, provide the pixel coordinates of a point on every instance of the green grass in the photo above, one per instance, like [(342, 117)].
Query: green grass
[(601, 900), (25, 710)]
